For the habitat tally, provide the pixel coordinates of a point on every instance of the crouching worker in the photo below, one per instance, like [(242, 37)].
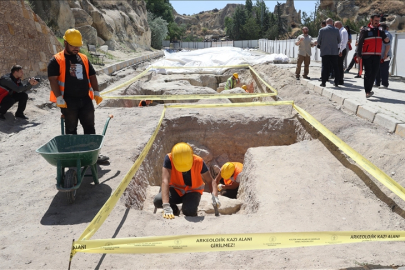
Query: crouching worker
[(183, 177), (228, 179), (144, 103), (232, 81)]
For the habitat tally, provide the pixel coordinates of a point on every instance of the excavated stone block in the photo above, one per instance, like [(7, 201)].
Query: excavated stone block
[(367, 112), (228, 206), (351, 105), (386, 121)]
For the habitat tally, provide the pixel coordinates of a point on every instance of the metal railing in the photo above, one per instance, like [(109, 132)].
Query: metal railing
[(209, 44)]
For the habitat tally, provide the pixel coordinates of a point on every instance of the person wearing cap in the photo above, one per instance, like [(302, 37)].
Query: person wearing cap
[(244, 87), (228, 179), (74, 85), (183, 177), (232, 81)]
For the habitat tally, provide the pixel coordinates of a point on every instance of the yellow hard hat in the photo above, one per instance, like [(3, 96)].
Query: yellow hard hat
[(73, 37), (182, 156), (236, 75), (227, 170), (244, 87)]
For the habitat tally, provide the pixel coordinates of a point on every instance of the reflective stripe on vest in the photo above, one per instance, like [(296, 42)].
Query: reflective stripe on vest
[(238, 170), (60, 58), (372, 45), (177, 181)]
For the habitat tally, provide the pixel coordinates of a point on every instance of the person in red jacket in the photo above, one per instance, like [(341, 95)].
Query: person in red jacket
[(228, 179), (369, 51), (12, 90)]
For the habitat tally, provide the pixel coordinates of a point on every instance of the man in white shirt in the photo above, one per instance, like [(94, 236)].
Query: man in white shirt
[(342, 49)]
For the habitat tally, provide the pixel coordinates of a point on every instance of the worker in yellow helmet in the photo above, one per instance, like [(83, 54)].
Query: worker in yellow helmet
[(183, 177), (244, 87), (232, 81), (228, 179), (74, 86)]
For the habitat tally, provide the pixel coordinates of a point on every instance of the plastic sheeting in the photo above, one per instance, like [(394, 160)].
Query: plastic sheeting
[(225, 56)]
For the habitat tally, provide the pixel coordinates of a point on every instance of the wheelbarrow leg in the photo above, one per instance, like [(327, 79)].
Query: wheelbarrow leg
[(94, 173), (60, 171)]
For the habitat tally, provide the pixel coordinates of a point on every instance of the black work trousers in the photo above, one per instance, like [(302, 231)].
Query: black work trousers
[(371, 67), (230, 193), (79, 109), (9, 100), (190, 201), (340, 65), (382, 76), (352, 62), (327, 61)]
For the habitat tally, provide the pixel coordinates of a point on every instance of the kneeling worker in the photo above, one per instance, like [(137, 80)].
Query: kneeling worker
[(183, 177), (227, 179), (232, 81)]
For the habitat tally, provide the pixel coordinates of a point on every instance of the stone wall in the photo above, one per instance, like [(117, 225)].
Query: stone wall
[(25, 39)]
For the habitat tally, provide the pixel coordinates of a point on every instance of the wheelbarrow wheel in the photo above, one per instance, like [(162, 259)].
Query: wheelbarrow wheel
[(69, 182)]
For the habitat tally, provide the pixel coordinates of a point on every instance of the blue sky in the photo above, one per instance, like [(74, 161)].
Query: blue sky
[(193, 7)]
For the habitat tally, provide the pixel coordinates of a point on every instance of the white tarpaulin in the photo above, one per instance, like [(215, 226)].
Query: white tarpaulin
[(221, 56)]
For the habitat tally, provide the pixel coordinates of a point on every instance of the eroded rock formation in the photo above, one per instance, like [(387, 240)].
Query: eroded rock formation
[(100, 21), (25, 39)]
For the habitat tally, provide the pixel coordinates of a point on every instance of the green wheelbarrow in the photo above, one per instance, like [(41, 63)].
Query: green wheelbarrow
[(75, 152)]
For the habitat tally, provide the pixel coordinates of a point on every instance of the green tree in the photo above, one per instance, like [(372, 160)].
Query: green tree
[(176, 32), (228, 26), (239, 20), (249, 7), (251, 30), (159, 30), (161, 8)]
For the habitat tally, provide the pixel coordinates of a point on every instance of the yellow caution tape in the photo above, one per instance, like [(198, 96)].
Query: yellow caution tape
[(247, 104), (190, 97), (110, 203), (359, 159), (137, 77), (260, 78), (231, 242)]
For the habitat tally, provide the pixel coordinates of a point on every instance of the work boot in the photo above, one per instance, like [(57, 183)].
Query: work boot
[(21, 115), (2, 117), (176, 210)]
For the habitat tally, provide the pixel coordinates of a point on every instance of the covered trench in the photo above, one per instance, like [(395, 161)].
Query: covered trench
[(293, 180)]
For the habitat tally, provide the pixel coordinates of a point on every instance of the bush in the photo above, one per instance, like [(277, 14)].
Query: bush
[(159, 30)]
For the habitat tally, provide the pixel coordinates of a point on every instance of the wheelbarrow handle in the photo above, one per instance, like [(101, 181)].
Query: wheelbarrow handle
[(106, 123)]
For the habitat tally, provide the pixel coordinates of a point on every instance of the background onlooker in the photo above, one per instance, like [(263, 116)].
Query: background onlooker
[(386, 55), (304, 43), (342, 50)]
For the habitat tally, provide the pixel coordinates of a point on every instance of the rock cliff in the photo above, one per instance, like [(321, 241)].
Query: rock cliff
[(25, 39), (360, 9), (213, 20), (100, 21), (290, 14)]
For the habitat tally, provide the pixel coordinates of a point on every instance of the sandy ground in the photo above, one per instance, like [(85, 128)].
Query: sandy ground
[(307, 186)]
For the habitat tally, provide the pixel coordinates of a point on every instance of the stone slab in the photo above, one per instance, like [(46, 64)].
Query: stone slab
[(400, 130), (367, 112), (386, 121), (351, 105), (338, 99), (318, 89), (327, 93)]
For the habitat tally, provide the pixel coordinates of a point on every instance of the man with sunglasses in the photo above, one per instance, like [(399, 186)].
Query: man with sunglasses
[(74, 85)]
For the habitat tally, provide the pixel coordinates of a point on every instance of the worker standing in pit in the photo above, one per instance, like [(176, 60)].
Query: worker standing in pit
[(244, 87), (228, 179), (232, 81), (183, 177)]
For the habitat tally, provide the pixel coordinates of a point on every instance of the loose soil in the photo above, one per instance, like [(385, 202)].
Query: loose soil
[(309, 185)]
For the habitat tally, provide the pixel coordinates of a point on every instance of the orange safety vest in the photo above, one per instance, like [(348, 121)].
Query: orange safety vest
[(372, 45), (238, 170), (60, 58), (177, 181), (146, 101)]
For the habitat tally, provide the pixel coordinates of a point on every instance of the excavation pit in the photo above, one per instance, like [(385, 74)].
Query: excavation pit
[(218, 136)]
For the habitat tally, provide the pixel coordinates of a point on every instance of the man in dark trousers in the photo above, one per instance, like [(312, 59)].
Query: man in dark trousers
[(12, 90), (369, 50), (342, 49), (74, 85), (328, 40)]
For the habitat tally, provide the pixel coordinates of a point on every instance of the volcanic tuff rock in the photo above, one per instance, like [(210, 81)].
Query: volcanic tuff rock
[(360, 9), (112, 21)]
